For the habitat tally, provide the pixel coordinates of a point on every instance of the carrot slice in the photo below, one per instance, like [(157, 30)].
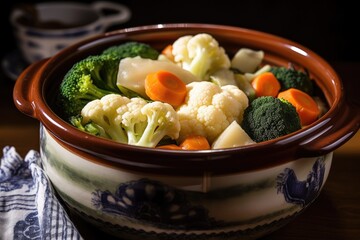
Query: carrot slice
[(167, 51), (170, 147), (195, 142), (266, 84), (305, 105), (165, 87)]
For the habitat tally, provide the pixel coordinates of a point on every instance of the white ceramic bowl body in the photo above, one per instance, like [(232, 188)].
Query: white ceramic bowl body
[(230, 206)]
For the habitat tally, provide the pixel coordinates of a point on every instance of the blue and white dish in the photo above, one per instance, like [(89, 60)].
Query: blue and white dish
[(61, 24)]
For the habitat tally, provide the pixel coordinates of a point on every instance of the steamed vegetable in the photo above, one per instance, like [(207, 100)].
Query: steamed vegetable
[(133, 121), (232, 136), (167, 53), (251, 76), (89, 79), (247, 60), (188, 96), (89, 127), (165, 87), (191, 142), (223, 77), (243, 81), (244, 84), (95, 76), (266, 84), (195, 142), (132, 49), (305, 105), (200, 54), (268, 118), (133, 71), (292, 78), (209, 109)]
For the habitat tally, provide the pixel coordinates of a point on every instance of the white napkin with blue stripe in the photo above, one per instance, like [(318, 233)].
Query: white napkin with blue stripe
[(28, 207)]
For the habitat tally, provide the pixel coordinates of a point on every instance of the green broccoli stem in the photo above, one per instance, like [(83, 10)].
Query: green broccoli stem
[(111, 129), (96, 130), (90, 127), (76, 121), (90, 91), (116, 133)]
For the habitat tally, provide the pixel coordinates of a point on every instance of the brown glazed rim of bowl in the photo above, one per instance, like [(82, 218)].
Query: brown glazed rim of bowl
[(329, 132)]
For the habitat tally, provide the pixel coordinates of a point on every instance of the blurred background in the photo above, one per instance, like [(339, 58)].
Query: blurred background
[(326, 27)]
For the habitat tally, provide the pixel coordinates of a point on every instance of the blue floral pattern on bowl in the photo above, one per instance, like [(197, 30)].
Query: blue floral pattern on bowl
[(169, 208), (156, 203), (302, 192)]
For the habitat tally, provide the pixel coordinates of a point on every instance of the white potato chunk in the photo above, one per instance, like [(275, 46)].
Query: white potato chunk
[(247, 60), (232, 136), (223, 77)]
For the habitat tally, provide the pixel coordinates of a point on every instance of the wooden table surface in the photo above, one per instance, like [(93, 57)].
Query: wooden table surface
[(334, 215)]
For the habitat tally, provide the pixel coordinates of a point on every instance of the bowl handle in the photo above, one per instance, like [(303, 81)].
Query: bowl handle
[(333, 132), (122, 14), (22, 93)]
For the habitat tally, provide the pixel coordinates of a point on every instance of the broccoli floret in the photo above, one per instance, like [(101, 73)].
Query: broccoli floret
[(88, 79), (292, 78), (96, 76), (89, 127), (132, 49), (268, 118)]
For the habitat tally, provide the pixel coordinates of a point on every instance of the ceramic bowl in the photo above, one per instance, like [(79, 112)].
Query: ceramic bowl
[(45, 28), (131, 192)]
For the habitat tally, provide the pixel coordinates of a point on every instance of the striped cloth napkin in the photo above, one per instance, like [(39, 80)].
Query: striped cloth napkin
[(28, 207)]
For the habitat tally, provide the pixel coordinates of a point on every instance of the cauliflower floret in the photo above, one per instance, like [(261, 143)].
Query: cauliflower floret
[(107, 113), (133, 121), (200, 54), (209, 109)]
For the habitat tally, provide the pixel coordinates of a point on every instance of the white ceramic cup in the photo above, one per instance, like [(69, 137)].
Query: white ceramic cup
[(67, 23)]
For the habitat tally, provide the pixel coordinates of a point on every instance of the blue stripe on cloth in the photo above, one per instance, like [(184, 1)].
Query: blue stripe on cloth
[(28, 207)]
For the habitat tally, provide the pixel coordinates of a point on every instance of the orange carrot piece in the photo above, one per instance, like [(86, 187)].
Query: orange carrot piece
[(266, 84), (170, 147), (167, 51), (165, 87), (305, 105), (195, 142)]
